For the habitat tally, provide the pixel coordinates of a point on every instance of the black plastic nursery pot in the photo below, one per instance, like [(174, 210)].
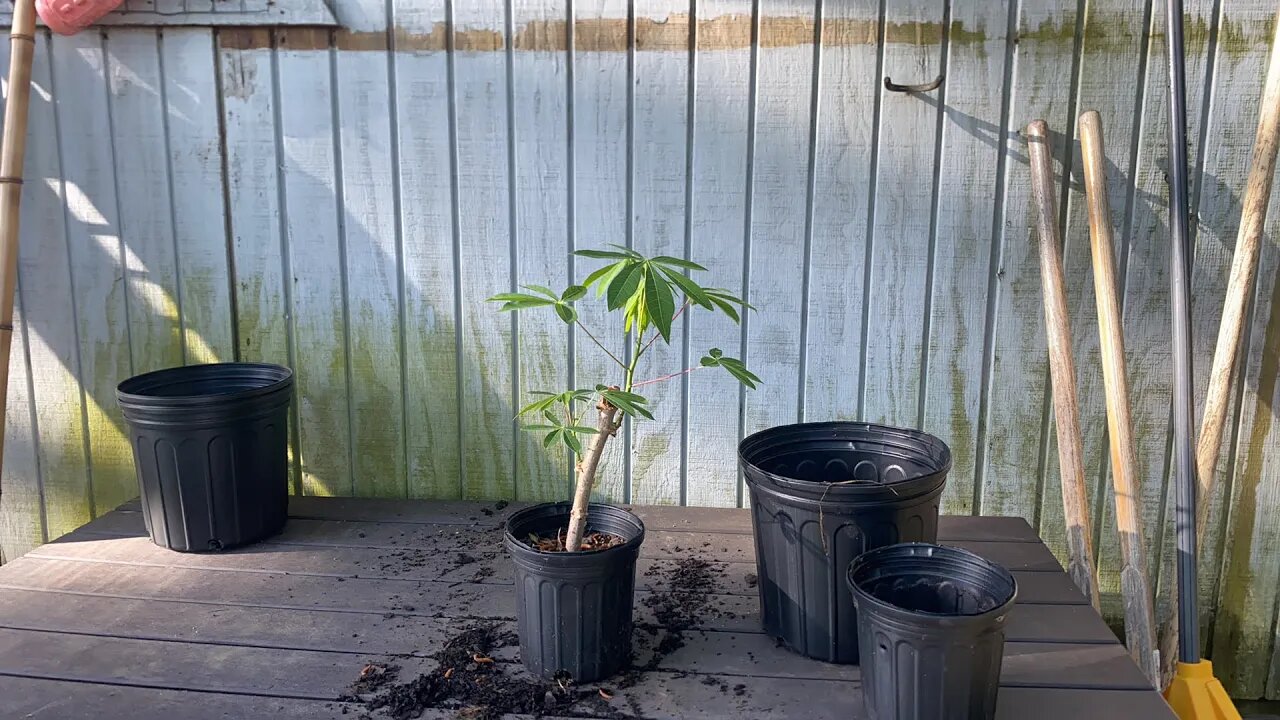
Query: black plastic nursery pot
[(821, 495), (574, 608), (931, 626), (210, 445)]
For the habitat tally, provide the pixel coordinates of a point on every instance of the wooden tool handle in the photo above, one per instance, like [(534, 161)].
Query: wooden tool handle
[(1244, 264), (1139, 615), (1062, 370)]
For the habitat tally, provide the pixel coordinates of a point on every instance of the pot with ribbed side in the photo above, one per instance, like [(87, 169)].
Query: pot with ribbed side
[(821, 495), (210, 446), (574, 608), (931, 626)]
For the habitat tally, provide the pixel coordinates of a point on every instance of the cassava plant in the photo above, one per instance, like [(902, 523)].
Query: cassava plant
[(650, 292)]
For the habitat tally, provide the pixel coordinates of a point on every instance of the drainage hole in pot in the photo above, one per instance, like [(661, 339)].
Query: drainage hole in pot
[(215, 544), (934, 595)]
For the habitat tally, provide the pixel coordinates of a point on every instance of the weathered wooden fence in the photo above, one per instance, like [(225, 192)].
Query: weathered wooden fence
[(343, 199)]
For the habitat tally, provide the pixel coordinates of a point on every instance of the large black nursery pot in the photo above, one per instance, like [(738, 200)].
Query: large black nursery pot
[(210, 445), (574, 608), (931, 626), (821, 495)]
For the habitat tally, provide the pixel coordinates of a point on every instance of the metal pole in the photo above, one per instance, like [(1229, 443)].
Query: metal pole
[(1180, 278)]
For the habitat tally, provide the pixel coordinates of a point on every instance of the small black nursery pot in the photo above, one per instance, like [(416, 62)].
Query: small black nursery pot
[(574, 608), (821, 495), (931, 629), (210, 445)]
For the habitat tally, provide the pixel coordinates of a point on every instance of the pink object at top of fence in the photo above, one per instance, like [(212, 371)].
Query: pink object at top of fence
[(68, 17)]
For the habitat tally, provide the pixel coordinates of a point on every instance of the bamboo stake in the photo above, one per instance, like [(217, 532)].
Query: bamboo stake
[(13, 146), (1139, 615), (1062, 368), (1244, 265)]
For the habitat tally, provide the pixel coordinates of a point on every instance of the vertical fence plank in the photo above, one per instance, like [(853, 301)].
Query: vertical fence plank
[(199, 229), (601, 183), (660, 117), (254, 192), (1244, 637), (1015, 406), (371, 245), (779, 181), (902, 217), (311, 205), (22, 525), (1240, 592), (423, 111), (541, 182), (841, 197), (480, 86), (96, 258), (22, 517), (142, 171), (720, 117), (47, 299), (970, 147)]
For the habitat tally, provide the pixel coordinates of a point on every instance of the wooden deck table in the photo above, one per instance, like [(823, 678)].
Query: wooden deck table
[(103, 624)]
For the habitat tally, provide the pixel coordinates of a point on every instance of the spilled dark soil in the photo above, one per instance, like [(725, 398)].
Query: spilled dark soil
[(466, 680)]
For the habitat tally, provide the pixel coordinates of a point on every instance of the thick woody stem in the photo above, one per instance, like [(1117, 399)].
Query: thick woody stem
[(605, 429)]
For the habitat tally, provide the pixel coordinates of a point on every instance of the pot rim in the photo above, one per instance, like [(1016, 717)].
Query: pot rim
[(137, 391), (516, 545), (901, 614), (906, 488)]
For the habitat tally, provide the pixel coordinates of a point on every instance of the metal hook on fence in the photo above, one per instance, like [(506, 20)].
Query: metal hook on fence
[(892, 86)]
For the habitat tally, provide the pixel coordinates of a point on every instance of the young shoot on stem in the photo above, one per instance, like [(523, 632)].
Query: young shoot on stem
[(645, 290)]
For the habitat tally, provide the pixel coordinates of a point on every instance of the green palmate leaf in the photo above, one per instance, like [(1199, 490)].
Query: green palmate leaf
[(581, 429), (691, 289), (566, 312), (538, 405), (627, 251), (716, 353), (541, 428), (676, 262), (543, 289), (572, 441), (737, 369), (601, 254), (725, 308), (551, 438), (605, 275), (624, 285), (729, 297), (629, 403), (572, 293), (659, 305), (519, 301)]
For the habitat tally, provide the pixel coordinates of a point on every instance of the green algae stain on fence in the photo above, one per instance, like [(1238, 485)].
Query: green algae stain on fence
[(377, 412)]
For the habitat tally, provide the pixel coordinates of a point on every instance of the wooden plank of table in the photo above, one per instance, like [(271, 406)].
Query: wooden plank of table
[(360, 633), (55, 700), (59, 567), (309, 674), (671, 518), (435, 538), (39, 699)]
